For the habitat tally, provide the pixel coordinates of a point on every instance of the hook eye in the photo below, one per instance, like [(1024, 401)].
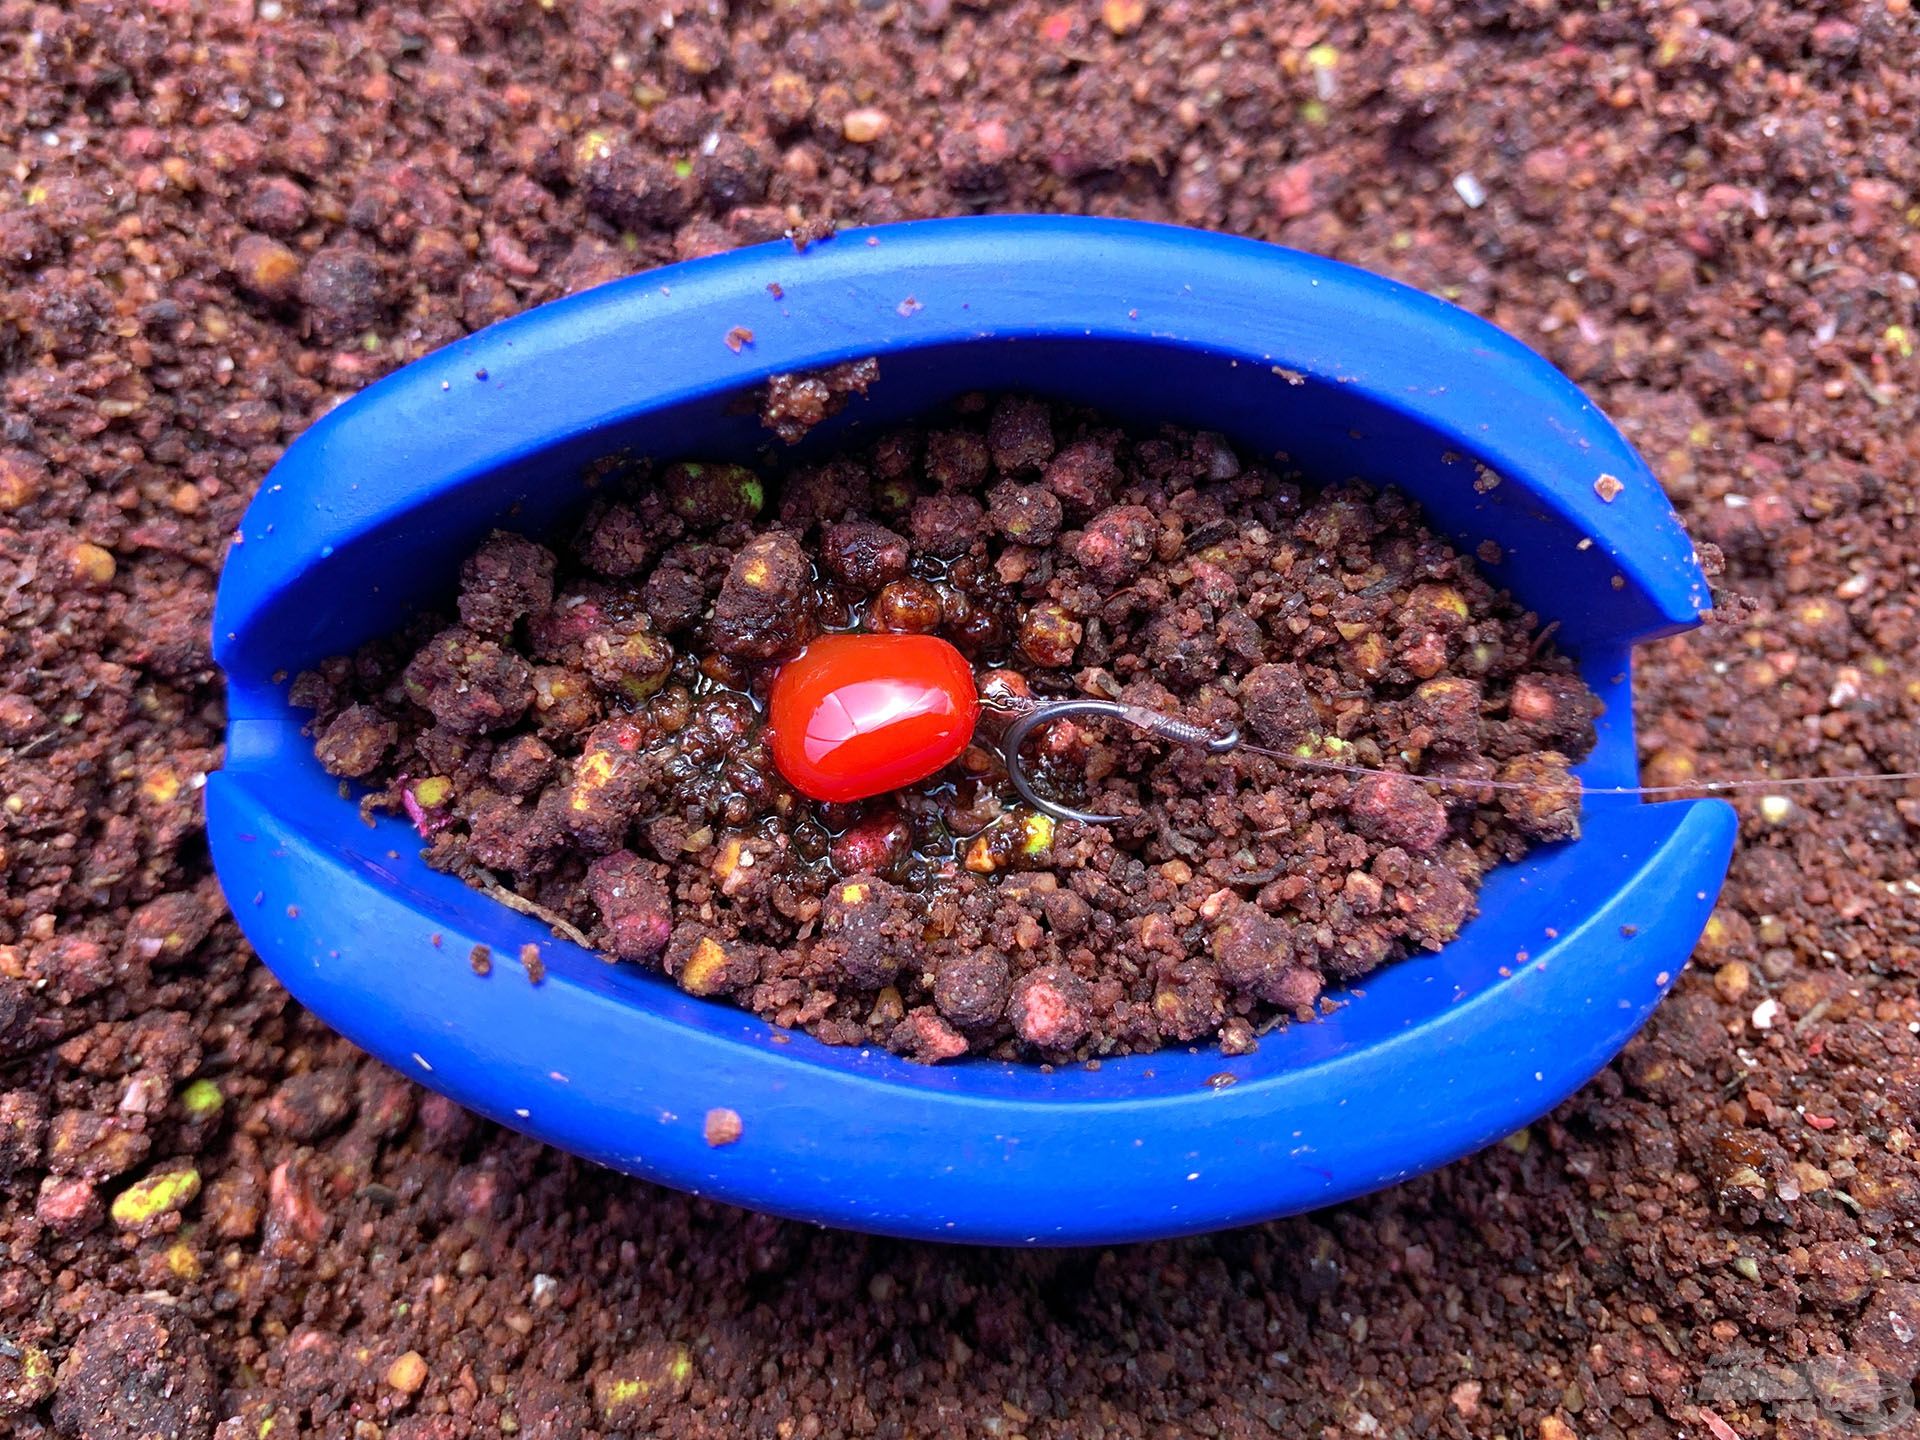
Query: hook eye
[(1153, 722)]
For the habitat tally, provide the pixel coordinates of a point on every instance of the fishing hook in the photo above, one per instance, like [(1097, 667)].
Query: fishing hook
[(1161, 727)]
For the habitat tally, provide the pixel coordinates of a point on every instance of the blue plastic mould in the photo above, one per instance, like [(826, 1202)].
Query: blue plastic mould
[(371, 512)]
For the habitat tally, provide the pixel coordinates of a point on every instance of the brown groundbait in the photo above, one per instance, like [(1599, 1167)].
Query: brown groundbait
[(245, 214)]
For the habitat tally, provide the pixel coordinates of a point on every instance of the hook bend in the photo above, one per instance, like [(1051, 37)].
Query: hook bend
[(1152, 722)]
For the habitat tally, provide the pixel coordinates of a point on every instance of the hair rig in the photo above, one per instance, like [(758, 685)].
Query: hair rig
[(855, 715)]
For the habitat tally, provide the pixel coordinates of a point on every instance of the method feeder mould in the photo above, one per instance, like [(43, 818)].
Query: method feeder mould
[(1344, 374)]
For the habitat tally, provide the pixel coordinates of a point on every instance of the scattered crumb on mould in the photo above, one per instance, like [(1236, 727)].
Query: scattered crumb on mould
[(722, 1126), (1607, 487)]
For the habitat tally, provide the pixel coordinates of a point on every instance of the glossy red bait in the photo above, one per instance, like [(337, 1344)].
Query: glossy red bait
[(858, 715)]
